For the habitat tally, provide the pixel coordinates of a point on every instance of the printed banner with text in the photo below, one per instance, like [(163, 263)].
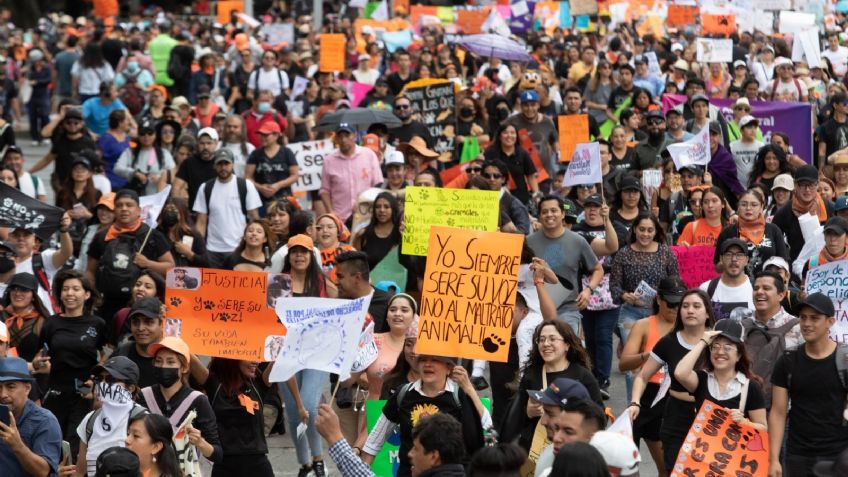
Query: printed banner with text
[(715, 445), (463, 208), (468, 298), (832, 280), (436, 104), (225, 313), (310, 160)]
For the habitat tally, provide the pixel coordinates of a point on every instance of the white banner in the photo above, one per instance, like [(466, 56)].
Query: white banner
[(714, 50), (322, 334), (832, 280), (694, 151), (151, 206), (310, 159), (585, 165), (772, 4), (790, 21)]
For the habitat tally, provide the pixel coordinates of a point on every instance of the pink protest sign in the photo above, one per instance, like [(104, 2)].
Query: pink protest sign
[(696, 264), (356, 91)]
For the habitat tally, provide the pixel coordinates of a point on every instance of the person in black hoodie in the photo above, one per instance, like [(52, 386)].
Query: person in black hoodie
[(182, 56)]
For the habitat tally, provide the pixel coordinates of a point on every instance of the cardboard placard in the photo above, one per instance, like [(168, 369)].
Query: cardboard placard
[(718, 24), (695, 264), (310, 160), (225, 7), (573, 130), (429, 206), (583, 7), (436, 105), (714, 50), (681, 15), (585, 166), (225, 313), (468, 297), (831, 280), (332, 52)]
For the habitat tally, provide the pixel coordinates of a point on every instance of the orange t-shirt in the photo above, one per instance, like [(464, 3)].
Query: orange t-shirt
[(699, 233)]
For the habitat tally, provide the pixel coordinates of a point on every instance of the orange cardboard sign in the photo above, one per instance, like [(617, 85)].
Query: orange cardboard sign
[(470, 21), (225, 313), (225, 7), (717, 445), (332, 58), (468, 299), (681, 15), (527, 143), (573, 130), (712, 24), (105, 8)]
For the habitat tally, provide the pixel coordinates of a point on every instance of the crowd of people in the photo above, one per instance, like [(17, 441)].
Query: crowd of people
[(92, 381)]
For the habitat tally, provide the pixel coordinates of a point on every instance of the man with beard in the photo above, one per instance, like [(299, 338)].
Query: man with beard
[(410, 128), (733, 288), (674, 131), (648, 151), (805, 199), (541, 129), (235, 139), (147, 325), (73, 139), (197, 169)]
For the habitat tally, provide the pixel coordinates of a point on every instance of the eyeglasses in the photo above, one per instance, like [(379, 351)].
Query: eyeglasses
[(807, 185), (475, 170), (147, 133), (655, 122), (735, 255), (548, 339), (716, 347), (492, 176), (747, 110)]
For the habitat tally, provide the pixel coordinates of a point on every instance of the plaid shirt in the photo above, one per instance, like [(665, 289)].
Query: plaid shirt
[(348, 463)]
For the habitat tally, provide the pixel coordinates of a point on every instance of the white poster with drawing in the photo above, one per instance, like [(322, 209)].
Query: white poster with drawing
[(322, 334), (715, 50)]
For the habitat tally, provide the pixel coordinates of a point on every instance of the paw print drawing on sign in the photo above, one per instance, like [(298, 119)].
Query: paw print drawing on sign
[(176, 301), (223, 317), (492, 343), (451, 222), (208, 304), (425, 195)]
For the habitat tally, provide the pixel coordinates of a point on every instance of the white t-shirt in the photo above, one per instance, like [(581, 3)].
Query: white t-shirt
[(545, 462), (240, 159), (789, 91), (731, 297), (49, 269), (368, 77), (744, 155), (28, 186), (90, 78), (838, 58), (226, 222), (269, 80), (99, 442)]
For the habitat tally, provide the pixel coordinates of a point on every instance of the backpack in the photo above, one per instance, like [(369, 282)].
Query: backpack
[(175, 68), (136, 411), (256, 80), (116, 272), (841, 370), (242, 191), (133, 97), (797, 86), (43, 281), (764, 347), (134, 183)]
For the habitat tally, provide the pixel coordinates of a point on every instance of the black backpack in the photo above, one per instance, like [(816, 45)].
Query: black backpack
[(116, 272), (242, 191), (175, 69), (764, 347)]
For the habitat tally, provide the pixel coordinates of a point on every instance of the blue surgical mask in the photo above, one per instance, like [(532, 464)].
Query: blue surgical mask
[(263, 107), (132, 66)]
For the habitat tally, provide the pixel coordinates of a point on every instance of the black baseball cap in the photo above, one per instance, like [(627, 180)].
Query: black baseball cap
[(671, 290), (836, 224), (148, 306), (731, 329), (559, 392), (715, 127), (12, 148), (819, 302), (73, 113), (806, 173), (9, 246), (119, 367), (630, 183), (734, 242), (127, 193), (594, 199), (655, 114), (24, 280), (693, 168), (570, 211), (117, 461)]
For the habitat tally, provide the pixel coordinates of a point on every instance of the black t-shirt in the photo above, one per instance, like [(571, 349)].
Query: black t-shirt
[(629, 162), (145, 364), (241, 433), (272, 169), (396, 83), (406, 132), (773, 243), (156, 245), (755, 399), (195, 171), (74, 344), (618, 96), (835, 135), (64, 148), (589, 233), (818, 399), (670, 349), (520, 166)]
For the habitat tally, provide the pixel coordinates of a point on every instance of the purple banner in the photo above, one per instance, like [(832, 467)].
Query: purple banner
[(794, 119), (520, 24)]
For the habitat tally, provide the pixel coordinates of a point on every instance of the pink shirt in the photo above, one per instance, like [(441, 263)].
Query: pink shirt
[(344, 178)]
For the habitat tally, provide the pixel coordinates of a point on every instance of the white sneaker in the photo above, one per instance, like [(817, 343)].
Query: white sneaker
[(34, 144), (45, 142)]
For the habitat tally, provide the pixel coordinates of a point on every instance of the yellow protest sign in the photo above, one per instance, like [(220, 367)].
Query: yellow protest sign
[(428, 206), (468, 299)]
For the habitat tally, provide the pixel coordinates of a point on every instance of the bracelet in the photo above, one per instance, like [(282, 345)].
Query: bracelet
[(538, 281), (634, 403), (705, 341)]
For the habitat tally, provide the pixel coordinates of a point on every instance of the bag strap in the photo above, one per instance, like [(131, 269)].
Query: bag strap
[(241, 184), (711, 288), (774, 88), (41, 275), (89, 425), (183, 408), (743, 398), (207, 192), (150, 400)]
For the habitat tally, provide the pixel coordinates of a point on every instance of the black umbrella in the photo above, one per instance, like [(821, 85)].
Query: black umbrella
[(359, 118)]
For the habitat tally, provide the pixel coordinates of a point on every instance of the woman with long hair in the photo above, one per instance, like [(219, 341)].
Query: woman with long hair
[(331, 235), (279, 216), (89, 72), (78, 197), (167, 134), (24, 315), (556, 353), (770, 162), (826, 188), (148, 284), (78, 336), (9, 176), (188, 246), (253, 253), (598, 91), (705, 231), (405, 369), (151, 438), (694, 316), (765, 240), (643, 102), (507, 149), (622, 157), (383, 231), (725, 376), (629, 202), (307, 279), (840, 175)]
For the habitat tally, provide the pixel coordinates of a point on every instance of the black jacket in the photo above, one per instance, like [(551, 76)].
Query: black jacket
[(447, 470)]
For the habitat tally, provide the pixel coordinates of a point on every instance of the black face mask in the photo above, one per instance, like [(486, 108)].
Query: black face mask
[(170, 218), (6, 264), (466, 112), (166, 376)]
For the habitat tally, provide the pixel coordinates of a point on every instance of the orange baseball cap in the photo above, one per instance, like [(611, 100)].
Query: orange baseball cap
[(172, 343), (301, 240), (269, 127), (372, 141), (160, 88), (107, 200)]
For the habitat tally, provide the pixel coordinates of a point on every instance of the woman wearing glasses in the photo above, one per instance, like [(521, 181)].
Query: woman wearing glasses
[(522, 171), (143, 164)]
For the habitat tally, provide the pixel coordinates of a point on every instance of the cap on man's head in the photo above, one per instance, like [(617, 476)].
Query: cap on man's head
[(837, 225), (841, 203), (211, 132), (117, 461), (73, 113), (618, 451), (570, 211), (784, 181), (734, 242), (126, 194), (629, 183), (179, 102), (593, 199), (748, 120), (820, 303), (149, 306), (806, 173), (655, 114), (783, 61), (715, 127), (203, 91), (732, 330), (529, 96), (14, 369), (346, 127), (692, 169), (559, 392), (223, 155), (671, 289), (673, 111), (120, 368), (699, 97)]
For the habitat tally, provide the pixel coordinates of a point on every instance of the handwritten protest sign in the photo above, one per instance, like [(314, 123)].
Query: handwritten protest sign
[(717, 445), (695, 150), (681, 15), (310, 159), (152, 205), (713, 24), (573, 130), (22, 211), (583, 7), (427, 206), (225, 313), (832, 280), (332, 53), (695, 263), (436, 103), (387, 461), (585, 166), (226, 7), (469, 293), (323, 334), (367, 350), (714, 50)]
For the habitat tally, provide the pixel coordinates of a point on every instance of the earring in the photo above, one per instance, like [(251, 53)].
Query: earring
[(154, 459)]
